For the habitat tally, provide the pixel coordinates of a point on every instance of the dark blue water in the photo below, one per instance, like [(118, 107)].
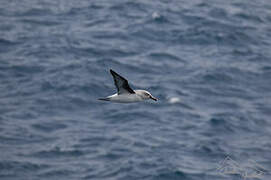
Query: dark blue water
[(208, 62)]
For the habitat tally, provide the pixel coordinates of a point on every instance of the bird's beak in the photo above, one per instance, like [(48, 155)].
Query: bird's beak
[(153, 98)]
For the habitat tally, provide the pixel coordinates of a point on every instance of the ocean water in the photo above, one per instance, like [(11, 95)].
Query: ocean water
[(207, 61)]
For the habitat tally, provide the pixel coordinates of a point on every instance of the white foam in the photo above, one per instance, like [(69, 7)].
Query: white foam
[(155, 15), (174, 100)]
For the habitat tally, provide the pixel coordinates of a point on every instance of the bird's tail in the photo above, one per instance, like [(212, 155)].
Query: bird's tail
[(104, 99)]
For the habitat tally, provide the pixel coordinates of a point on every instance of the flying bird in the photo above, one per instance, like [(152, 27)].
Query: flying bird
[(125, 94)]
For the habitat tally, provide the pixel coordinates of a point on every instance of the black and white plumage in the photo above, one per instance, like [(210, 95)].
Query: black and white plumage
[(125, 94), (121, 83)]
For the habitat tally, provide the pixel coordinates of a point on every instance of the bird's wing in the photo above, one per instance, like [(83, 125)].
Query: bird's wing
[(121, 84)]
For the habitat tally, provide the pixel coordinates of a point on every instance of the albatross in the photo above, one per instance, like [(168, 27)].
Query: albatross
[(125, 94)]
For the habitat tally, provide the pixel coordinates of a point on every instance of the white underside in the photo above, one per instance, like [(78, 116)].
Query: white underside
[(125, 98)]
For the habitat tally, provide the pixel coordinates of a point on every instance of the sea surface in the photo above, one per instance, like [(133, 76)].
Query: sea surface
[(207, 61)]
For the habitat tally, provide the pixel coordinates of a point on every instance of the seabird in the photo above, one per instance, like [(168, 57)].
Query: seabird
[(126, 94)]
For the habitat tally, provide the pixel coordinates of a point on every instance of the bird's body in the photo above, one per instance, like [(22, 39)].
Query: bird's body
[(125, 93), (125, 98)]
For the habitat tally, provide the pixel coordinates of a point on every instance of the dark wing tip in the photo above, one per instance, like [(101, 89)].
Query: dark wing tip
[(104, 99), (112, 72)]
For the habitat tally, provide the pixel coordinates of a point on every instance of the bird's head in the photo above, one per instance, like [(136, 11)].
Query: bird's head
[(146, 95)]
